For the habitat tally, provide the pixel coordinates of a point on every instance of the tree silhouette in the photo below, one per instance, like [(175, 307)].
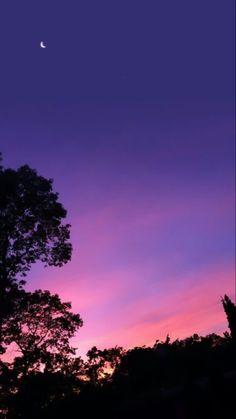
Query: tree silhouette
[(230, 311), (40, 328), (31, 229), (38, 393), (102, 363), (31, 226)]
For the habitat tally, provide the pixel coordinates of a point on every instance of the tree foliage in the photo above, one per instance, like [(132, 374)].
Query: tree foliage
[(31, 227), (40, 328), (102, 363), (230, 311)]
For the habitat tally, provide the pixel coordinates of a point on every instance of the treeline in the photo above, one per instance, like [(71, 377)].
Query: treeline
[(41, 375), (190, 378)]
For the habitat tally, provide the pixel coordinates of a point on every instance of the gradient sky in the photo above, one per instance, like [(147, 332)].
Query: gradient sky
[(130, 109)]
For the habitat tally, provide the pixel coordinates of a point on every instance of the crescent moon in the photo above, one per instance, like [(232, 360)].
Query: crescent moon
[(42, 45)]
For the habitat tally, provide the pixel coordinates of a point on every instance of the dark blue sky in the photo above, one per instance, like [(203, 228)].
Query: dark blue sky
[(116, 51)]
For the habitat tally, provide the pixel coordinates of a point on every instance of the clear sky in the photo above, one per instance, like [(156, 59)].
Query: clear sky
[(130, 109)]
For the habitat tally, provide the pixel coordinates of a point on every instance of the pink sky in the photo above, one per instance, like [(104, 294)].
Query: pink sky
[(133, 281)]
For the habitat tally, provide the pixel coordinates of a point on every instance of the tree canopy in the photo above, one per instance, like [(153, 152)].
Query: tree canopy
[(230, 311), (40, 328), (31, 224), (31, 230)]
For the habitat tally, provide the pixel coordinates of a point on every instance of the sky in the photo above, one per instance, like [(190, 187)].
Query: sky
[(130, 109)]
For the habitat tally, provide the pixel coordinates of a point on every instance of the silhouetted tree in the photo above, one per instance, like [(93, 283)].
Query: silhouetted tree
[(102, 363), (7, 387), (38, 393), (31, 226), (31, 229), (230, 311), (40, 328), (37, 325)]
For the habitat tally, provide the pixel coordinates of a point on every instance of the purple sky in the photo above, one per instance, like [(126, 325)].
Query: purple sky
[(130, 109)]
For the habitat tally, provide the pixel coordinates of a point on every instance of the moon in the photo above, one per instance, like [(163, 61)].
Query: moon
[(42, 44)]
